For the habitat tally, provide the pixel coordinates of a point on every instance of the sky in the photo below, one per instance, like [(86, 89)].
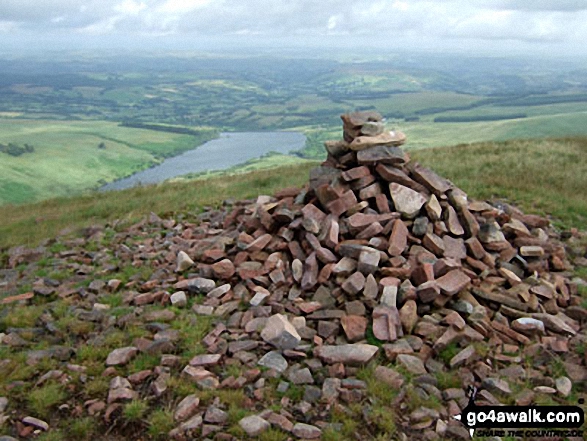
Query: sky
[(500, 27)]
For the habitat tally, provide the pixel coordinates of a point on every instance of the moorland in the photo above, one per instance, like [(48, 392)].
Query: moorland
[(89, 119)]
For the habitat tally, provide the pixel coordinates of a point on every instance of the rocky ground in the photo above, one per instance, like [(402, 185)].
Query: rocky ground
[(360, 307)]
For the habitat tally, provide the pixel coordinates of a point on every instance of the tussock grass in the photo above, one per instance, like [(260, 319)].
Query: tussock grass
[(29, 224), (541, 176)]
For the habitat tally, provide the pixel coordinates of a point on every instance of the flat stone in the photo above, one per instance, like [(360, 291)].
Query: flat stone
[(274, 360), (206, 360), (186, 408), (196, 285), (224, 269), (372, 128), (528, 325), (491, 233), (408, 315), (382, 155), (412, 364), (219, 291), (259, 298), (300, 376), (430, 180), (427, 292), (454, 248), (453, 282), (330, 390), (306, 431), (398, 239), (463, 357), (497, 385), (215, 415), (405, 200), (386, 323), (532, 251), (254, 425), (121, 394), (354, 327), (434, 244), (280, 333), (121, 356), (385, 139), (35, 422), (351, 354)]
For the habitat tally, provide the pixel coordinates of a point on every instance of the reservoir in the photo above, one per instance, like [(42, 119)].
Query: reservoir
[(230, 149)]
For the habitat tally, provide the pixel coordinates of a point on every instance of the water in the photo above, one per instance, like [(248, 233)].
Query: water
[(228, 150)]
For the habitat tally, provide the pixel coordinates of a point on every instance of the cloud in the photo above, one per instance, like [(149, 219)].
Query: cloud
[(355, 22)]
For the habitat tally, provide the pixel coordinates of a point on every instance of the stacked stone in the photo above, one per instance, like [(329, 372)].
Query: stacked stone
[(377, 241), (297, 282)]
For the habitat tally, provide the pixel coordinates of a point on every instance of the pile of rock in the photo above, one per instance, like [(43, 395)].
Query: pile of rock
[(377, 260), (378, 243)]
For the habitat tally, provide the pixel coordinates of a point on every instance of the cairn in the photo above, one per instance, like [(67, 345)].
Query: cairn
[(379, 243), (376, 260)]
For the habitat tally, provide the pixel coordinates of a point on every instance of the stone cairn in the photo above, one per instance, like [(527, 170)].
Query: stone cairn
[(379, 247), (378, 259)]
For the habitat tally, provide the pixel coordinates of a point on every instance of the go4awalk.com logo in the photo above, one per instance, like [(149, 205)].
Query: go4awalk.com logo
[(532, 421)]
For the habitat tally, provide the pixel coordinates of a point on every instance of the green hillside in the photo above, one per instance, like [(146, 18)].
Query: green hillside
[(70, 157), (547, 176)]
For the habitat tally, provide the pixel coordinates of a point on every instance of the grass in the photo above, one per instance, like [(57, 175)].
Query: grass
[(160, 423), (545, 177), (135, 411), (41, 401), (83, 428), (72, 146), (22, 317), (34, 222)]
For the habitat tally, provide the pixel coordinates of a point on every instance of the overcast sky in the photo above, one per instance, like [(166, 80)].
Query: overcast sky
[(550, 27)]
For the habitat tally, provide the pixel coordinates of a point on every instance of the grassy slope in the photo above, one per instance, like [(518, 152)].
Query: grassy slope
[(67, 160), (542, 176), (426, 134)]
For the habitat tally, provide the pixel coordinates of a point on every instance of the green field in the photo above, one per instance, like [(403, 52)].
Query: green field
[(67, 159), (546, 177)]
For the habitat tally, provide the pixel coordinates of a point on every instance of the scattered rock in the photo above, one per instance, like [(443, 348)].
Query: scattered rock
[(254, 425)]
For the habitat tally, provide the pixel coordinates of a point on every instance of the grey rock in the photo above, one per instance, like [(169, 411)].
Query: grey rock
[(306, 431), (412, 364), (35, 422), (273, 360), (352, 354), (121, 356), (254, 425), (179, 299), (300, 376), (183, 262), (564, 386), (407, 201), (280, 333), (215, 415)]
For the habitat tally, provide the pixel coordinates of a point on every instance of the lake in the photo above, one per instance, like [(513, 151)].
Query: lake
[(228, 150)]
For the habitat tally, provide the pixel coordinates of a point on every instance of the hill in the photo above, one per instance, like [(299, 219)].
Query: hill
[(546, 176), (110, 330)]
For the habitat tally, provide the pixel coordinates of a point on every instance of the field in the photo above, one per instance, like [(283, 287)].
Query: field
[(71, 116), (547, 177), (67, 157)]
